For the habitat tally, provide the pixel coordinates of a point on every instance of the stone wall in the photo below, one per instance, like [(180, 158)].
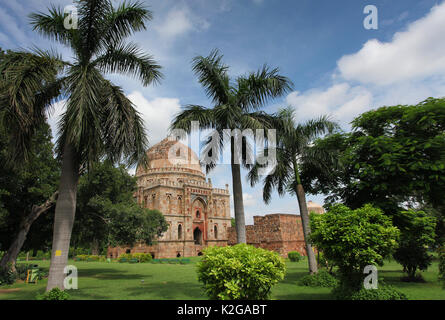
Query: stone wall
[(281, 233)]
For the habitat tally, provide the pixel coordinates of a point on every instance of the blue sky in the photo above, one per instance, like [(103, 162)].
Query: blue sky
[(338, 67)]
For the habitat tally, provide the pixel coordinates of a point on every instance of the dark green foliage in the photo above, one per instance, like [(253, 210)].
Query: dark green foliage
[(441, 254), (7, 276), (383, 292), (353, 239), (107, 213), (417, 235), (240, 272), (320, 279), (294, 256), (22, 271), (393, 155), (54, 294), (25, 186)]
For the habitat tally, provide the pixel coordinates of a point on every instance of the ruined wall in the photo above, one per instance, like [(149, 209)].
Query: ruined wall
[(281, 233)]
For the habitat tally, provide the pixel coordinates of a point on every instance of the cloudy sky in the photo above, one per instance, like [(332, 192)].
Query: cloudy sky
[(338, 67)]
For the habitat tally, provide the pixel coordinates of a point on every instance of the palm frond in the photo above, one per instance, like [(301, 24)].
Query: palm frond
[(51, 25), (183, 120), (28, 87), (129, 59), (256, 89), (92, 17), (80, 125), (212, 74), (122, 22), (123, 131)]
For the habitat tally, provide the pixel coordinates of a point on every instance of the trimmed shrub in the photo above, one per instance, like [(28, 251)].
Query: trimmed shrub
[(125, 257), (142, 257), (90, 258), (54, 294), (294, 256), (240, 272), (384, 292), (321, 279), (135, 257)]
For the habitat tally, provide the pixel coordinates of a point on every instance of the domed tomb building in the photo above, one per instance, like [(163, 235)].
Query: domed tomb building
[(197, 214)]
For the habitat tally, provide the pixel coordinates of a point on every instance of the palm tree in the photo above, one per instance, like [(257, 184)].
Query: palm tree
[(293, 151), (99, 120), (236, 106)]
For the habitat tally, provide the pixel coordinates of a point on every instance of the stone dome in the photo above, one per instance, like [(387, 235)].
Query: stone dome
[(170, 153)]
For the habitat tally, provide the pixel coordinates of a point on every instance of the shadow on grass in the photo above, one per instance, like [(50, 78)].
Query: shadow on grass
[(110, 274), (169, 291)]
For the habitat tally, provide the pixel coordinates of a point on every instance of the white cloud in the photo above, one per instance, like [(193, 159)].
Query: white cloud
[(249, 200), (9, 24), (180, 21), (157, 114), (413, 54), (406, 70), (341, 101)]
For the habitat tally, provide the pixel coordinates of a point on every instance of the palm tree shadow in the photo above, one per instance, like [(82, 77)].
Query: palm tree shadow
[(170, 291), (111, 274)]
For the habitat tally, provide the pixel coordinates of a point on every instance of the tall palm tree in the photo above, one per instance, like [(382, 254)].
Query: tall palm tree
[(293, 150), (99, 120), (236, 105)]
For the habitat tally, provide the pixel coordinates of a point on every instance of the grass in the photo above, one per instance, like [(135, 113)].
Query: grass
[(122, 281)]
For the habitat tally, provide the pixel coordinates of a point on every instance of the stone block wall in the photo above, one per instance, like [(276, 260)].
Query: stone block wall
[(281, 233)]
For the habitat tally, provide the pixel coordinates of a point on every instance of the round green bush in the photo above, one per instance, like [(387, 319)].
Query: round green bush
[(240, 272), (321, 279), (54, 294), (384, 292), (294, 256), (142, 257)]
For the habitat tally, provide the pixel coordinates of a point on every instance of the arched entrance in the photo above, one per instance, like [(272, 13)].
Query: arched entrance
[(197, 236)]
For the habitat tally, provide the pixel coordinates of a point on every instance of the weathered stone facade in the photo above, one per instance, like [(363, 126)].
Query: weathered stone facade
[(198, 215), (277, 232)]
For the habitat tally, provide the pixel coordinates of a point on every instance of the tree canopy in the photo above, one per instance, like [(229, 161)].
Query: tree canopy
[(107, 213)]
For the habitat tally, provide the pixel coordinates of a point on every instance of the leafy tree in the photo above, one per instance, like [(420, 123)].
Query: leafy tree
[(236, 106), (354, 239), (393, 155), (99, 120), (107, 212), (294, 150), (417, 235), (26, 193)]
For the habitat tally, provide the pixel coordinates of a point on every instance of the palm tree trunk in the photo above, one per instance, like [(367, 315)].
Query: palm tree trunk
[(240, 221), (64, 218), (10, 256), (304, 214)]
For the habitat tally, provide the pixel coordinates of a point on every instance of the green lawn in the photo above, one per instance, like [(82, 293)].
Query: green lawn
[(101, 280)]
